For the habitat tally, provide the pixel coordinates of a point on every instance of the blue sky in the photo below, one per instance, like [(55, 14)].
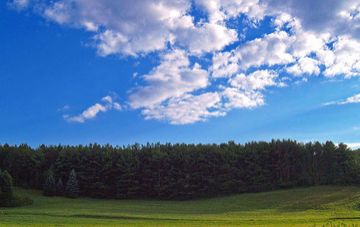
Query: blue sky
[(178, 71)]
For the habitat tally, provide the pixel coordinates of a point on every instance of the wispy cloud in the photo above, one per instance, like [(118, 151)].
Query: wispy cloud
[(19, 4), (349, 100), (107, 103)]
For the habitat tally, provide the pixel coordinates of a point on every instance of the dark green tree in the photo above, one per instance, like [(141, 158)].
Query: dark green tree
[(6, 184), (49, 185), (6, 189), (181, 171), (72, 185), (60, 189)]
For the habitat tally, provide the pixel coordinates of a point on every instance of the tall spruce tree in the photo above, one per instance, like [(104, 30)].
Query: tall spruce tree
[(49, 185), (72, 186), (60, 189)]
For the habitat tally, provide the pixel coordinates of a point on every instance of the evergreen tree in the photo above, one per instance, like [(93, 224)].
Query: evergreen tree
[(49, 185), (72, 186), (6, 190), (60, 188), (176, 171), (6, 186)]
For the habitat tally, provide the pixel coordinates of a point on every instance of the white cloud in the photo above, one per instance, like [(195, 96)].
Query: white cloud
[(59, 12), (182, 88), (236, 98), (141, 26), (345, 58), (107, 103), (173, 77), (186, 109), (169, 93), (277, 48), (352, 99), (244, 91), (19, 4), (307, 66), (335, 16), (271, 50), (353, 145), (206, 38), (257, 80), (220, 10), (349, 100), (224, 64)]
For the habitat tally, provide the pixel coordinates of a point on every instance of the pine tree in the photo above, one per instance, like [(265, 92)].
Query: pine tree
[(49, 185), (60, 188), (72, 186)]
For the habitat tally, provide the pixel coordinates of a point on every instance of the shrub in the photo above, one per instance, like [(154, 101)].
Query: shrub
[(14, 201)]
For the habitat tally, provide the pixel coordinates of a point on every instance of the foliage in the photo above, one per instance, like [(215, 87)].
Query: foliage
[(182, 171), (72, 186), (6, 185), (60, 189), (7, 198), (14, 201), (49, 185)]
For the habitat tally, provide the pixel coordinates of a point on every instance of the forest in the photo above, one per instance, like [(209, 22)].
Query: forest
[(178, 171)]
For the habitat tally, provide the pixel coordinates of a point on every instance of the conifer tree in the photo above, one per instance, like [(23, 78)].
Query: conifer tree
[(49, 185), (60, 188), (6, 190), (72, 186), (6, 186)]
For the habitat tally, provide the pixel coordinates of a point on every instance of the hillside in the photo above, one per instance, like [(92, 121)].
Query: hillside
[(314, 206)]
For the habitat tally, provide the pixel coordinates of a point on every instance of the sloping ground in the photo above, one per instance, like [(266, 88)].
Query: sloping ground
[(314, 206)]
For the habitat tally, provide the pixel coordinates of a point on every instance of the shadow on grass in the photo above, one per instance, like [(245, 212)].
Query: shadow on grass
[(109, 217)]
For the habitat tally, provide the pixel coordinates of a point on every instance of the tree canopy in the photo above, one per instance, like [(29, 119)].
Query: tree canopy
[(181, 171)]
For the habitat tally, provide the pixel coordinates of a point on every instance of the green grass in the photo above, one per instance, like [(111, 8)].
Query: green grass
[(314, 206)]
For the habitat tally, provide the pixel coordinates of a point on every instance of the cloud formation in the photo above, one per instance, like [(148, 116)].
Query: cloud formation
[(107, 103), (349, 100), (207, 64), (19, 4)]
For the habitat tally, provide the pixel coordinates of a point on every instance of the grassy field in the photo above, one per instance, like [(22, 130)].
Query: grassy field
[(315, 206)]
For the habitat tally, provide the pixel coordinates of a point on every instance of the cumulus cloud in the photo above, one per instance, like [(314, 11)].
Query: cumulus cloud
[(205, 69), (186, 109), (219, 10), (335, 16), (307, 66), (141, 26), (107, 103), (173, 77), (257, 80), (244, 91), (278, 48), (236, 98), (344, 59)]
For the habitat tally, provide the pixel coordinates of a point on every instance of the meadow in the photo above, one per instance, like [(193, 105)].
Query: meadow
[(312, 206)]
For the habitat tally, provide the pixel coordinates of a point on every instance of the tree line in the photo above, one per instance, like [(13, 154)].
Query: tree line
[(178, 171)]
